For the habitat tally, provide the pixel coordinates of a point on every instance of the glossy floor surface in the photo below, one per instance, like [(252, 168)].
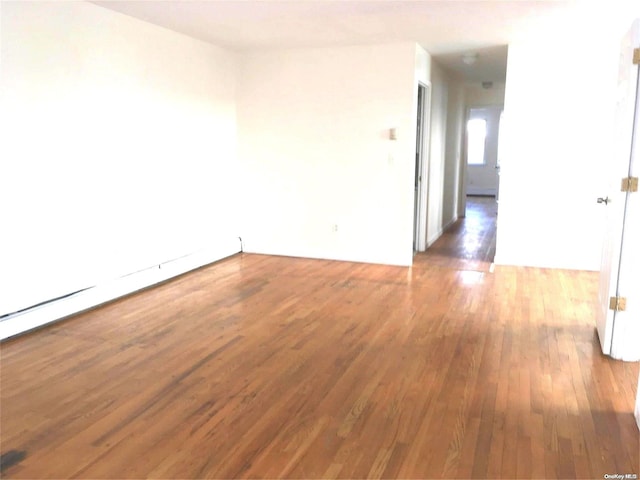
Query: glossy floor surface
[(272, 367), (470, 243)]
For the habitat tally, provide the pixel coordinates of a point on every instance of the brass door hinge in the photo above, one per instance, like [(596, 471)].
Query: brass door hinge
[(618, 304), (629, 184), (636, 56)]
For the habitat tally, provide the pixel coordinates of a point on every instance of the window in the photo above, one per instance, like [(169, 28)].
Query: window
[(476, 135)]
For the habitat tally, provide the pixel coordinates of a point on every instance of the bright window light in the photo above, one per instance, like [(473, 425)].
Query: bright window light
[(476, 135)]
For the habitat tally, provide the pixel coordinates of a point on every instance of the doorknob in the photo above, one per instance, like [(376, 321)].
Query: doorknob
[(604, 200)]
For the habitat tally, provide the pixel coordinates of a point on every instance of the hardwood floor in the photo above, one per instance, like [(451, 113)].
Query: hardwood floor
[(470, 243), (272, 367)]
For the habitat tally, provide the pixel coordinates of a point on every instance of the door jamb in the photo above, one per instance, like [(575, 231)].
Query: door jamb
[(420, 217)]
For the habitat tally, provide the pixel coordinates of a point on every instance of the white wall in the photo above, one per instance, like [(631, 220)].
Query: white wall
[(422, 75), (557, 136), (118, 148), (443, 155), (478, 96), (439, 101), (320, 175), (454, 161)]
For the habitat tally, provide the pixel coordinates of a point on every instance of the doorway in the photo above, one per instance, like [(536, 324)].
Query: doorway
[(482, 175), (482, 140), (421, 173)]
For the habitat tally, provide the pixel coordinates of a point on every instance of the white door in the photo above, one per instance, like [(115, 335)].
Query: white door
[(483, 127), (619, 331)]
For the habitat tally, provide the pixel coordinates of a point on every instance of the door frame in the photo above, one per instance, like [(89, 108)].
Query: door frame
[(421, 203), (464, 167)]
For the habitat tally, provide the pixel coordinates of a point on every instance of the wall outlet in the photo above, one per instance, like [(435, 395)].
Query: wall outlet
[(334, 228)]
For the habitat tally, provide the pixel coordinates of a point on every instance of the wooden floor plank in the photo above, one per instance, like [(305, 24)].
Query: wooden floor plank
[(275, 367)]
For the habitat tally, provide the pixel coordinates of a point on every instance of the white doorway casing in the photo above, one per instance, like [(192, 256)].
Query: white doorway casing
[(422, 167)]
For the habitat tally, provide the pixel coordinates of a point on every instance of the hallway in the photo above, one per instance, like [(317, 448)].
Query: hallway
[(468, 244)]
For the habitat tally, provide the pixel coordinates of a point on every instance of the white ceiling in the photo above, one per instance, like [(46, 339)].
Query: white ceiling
[(445, 28)]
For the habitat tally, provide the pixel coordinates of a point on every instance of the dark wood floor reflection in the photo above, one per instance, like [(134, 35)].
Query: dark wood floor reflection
[(272, 367), (470, 243)]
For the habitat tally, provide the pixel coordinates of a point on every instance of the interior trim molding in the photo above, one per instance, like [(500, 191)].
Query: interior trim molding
[(60, 309), (482, 191)]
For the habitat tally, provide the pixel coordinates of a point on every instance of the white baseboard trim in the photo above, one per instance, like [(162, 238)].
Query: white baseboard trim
[(436, 236), (491, 192), (38, 316), (449, 223)]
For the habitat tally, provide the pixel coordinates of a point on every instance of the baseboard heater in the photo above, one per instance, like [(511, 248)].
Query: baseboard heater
[(76, 302)]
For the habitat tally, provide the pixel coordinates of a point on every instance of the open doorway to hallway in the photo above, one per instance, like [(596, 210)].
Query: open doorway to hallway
[(476, 245), (480, 163), (470, 243)]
